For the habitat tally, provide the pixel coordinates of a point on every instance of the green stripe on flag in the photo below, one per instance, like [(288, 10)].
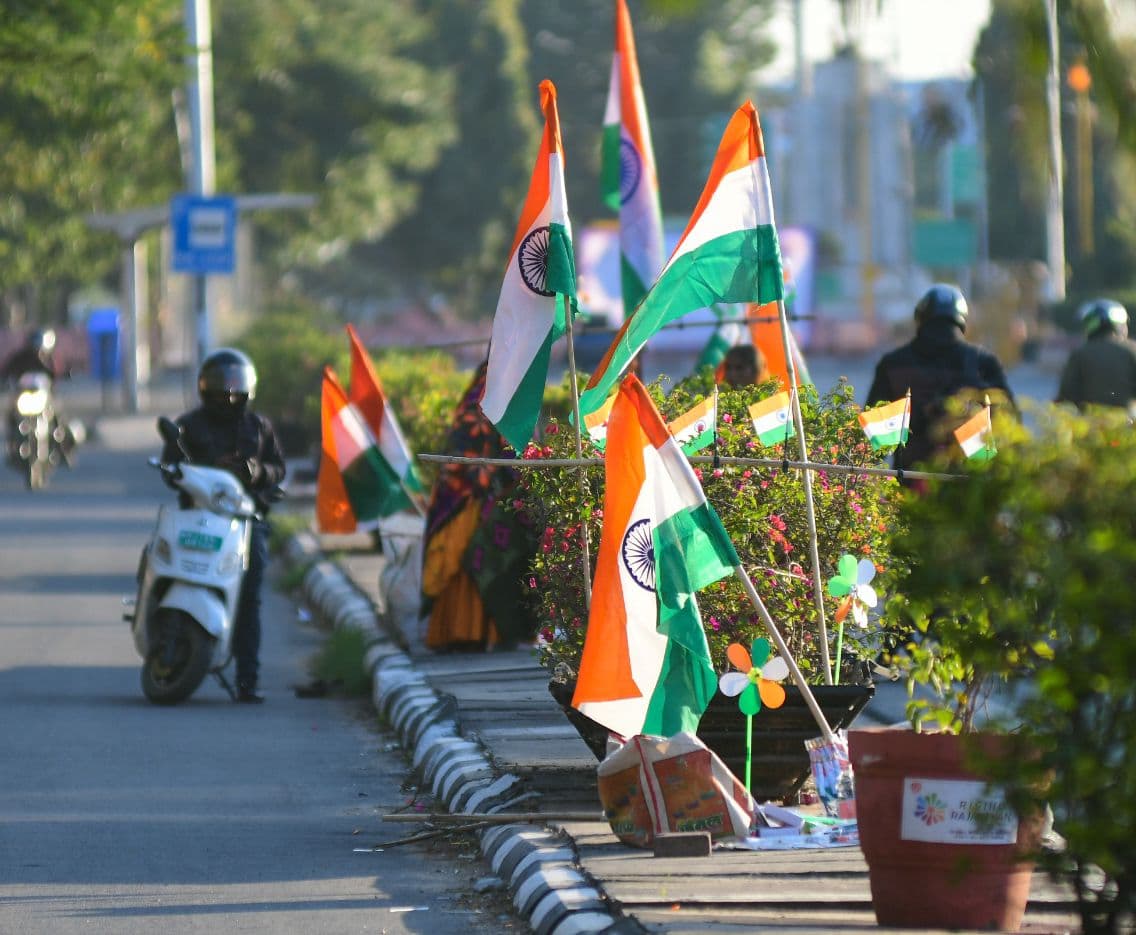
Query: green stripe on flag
[(609, 169), (560, 274), (519, 419), (373, 488), (631, 285)]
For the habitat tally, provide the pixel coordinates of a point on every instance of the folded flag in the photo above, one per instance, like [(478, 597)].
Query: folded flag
[(596, 423), (976, 436), (694, 429), (887, 426), (355, 486), (367, 396), (646, 666), (539, 285), (728, 253), (771, 419)]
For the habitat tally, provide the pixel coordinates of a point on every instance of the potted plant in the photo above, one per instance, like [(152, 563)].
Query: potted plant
[(1016, 579), (762, 508)]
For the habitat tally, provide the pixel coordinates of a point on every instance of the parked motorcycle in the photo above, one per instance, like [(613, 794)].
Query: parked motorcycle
[(189, 578)]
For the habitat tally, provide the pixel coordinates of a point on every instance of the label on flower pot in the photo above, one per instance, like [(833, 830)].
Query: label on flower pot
[(956, 811)]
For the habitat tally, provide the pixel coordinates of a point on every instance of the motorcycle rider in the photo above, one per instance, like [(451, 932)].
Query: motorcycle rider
[(223, 432), (36, 355), (937, 363), (1102, 371)]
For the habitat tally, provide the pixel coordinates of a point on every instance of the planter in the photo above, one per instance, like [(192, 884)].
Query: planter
[(780, 760), (931, 863)]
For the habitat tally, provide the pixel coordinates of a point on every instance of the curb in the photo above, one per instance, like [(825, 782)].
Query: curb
[(539, 865)]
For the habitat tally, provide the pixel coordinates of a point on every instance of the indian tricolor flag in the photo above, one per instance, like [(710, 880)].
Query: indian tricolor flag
[(771, 419), (540, 282), (728, 253), (766, 335), (646, 665), (596, 422), (887, 426), (630, 184), (976, 436), (694, 429), (367, 396), (356, 486)]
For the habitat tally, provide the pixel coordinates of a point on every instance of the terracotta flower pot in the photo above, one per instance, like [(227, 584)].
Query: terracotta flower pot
[(943, 850)]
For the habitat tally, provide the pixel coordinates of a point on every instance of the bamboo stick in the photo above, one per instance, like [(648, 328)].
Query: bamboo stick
[(585, 556)]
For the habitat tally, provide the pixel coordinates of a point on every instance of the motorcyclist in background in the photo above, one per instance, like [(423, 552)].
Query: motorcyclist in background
[(223, 432), (36, 355), (1102, 371)]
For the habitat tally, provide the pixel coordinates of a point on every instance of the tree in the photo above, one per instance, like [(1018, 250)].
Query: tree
[(86, 125)]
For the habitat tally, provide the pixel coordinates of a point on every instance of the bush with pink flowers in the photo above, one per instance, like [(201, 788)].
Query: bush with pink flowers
[(762, 508)]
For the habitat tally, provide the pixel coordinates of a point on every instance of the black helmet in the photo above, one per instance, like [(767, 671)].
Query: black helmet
[(1103, 314), (942, 301), (226, 380)]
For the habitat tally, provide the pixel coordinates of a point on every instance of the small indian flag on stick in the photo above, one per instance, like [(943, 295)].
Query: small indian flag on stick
[(694, 430), (887, 426), (976, 436), (771, 419)]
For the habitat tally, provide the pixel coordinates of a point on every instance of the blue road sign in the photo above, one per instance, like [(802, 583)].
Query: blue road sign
[(205, 233)]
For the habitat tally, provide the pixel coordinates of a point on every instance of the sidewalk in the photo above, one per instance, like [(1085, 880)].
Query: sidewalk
[(487, 736)]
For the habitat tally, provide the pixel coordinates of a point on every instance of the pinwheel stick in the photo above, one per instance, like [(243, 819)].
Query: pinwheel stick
[(749, 752), (839, 651), (779, 642)]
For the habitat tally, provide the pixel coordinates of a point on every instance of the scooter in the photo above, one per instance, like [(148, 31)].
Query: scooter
[(189, 578)]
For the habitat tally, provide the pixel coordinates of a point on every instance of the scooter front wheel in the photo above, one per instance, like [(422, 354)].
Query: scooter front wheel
[(179, 661)]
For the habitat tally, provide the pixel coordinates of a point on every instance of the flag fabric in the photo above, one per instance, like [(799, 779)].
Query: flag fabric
[(772, 419), (355, 486), (728, 253), (729, 332), (539, 286), (628, 177), (367, 396), (976, 436), (596, 423), (646, 666), (887, 426), (694, 429), (765, 333)]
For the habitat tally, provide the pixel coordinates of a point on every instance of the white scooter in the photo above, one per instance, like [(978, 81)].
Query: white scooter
[(189, 579)]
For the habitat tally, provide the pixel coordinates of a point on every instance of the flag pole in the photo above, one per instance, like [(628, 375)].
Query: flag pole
[(810, 510), (581, 474), (794, 671)]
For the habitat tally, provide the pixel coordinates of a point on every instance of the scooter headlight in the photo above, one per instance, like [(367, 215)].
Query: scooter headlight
[(31, 402)]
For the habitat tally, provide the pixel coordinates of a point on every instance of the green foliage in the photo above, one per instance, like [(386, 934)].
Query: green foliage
[(290, 345), (1022, 574), (339, 663), (762, 508)]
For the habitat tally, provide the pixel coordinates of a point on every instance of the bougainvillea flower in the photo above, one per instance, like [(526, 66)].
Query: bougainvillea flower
[(852, 582), (756, 683)]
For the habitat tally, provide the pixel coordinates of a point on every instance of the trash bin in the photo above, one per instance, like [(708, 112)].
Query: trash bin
[(102, 344)]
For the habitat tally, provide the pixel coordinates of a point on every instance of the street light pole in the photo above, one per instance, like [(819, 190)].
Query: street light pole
[(199, 31), (1054, 216)]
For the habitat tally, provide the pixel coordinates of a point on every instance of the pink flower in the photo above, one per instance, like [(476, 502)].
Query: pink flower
[(856, 508), (532, 582), (727, 418), (717, 472), (553, 429), (698, 473)]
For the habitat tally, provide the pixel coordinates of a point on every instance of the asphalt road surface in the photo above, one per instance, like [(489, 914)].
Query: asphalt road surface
[(120, 817)]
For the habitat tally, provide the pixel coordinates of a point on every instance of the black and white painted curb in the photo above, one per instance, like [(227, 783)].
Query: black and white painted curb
[(539, 865)]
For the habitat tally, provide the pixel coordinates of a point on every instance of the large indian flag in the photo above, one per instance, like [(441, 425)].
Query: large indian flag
[(355, 486), (540, 282), (646, 665), (728, 253), (367, 396), (630, 184)]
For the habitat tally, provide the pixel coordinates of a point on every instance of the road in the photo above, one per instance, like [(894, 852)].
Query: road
[(120, 817)]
